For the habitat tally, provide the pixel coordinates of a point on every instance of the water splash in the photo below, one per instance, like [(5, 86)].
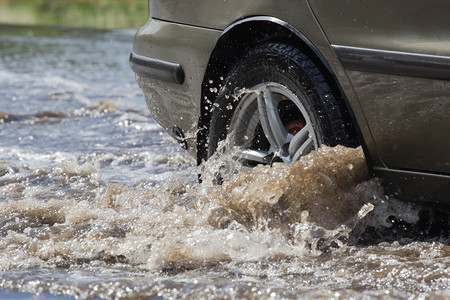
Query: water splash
[(279, 211)]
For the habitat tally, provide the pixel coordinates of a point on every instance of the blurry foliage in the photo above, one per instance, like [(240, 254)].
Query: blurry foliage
[(76, 13)]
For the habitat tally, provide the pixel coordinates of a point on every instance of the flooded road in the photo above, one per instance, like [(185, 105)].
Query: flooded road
[(96, 201)]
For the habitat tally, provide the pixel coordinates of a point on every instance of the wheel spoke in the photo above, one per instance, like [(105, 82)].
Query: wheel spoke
[(276, 125), (298, 140), (304, 149), (262, 157), (264, 118)]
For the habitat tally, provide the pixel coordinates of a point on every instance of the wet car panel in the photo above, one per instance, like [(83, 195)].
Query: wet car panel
[(172, 104), (220, 14), (397, 59)]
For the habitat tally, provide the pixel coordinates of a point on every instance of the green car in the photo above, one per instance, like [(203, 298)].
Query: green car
[(288, 76)]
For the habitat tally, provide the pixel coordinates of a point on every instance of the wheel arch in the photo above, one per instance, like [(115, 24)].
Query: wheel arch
[(239, 38)]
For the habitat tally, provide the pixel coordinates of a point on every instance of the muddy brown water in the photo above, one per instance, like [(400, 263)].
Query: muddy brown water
[(97, 202)]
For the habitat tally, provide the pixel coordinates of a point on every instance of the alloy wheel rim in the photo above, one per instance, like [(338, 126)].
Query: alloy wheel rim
[(272, 110)]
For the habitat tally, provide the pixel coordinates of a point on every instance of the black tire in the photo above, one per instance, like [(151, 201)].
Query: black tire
[(286, 74)]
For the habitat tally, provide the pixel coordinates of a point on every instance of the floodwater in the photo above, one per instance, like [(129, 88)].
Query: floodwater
[(97, 202)]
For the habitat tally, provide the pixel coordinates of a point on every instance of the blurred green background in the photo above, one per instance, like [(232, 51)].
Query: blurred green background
[(102, 14)]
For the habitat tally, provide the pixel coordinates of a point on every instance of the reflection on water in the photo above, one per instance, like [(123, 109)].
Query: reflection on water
[(96, 201)]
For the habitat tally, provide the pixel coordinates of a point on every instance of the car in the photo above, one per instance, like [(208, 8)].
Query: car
[(286, 77)]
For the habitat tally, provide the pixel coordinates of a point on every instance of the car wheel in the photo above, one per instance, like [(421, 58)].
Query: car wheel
[(275, 105)]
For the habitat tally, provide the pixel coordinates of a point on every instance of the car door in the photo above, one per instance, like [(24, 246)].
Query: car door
[(397, 56)]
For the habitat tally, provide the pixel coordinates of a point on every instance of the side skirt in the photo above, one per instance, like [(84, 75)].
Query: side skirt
[(434, 189)]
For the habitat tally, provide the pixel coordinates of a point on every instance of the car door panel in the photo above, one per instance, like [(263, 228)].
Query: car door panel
[(397, 56)]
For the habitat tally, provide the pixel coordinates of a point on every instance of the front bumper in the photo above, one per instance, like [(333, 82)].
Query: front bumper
[(170, 60)]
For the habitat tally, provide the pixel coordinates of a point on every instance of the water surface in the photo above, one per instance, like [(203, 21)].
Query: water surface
[(96, 201)]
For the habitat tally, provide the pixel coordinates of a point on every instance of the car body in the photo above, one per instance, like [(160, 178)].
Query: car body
[(387, 64)]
